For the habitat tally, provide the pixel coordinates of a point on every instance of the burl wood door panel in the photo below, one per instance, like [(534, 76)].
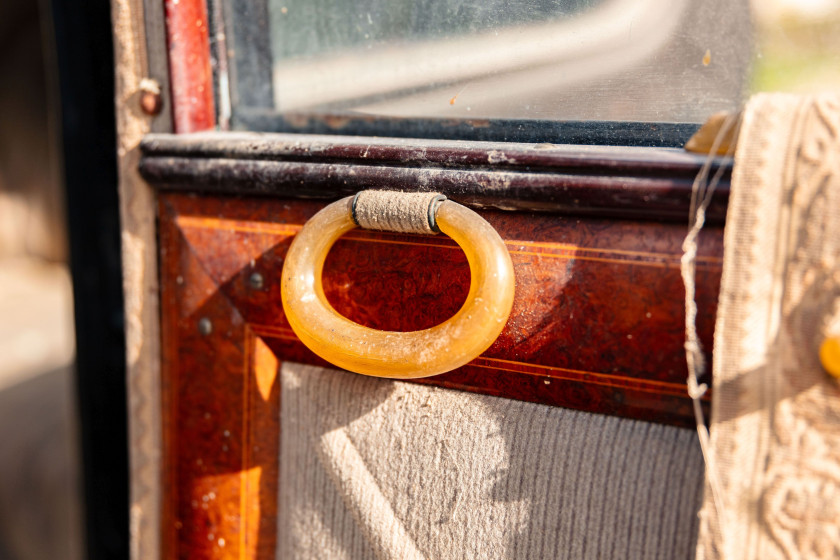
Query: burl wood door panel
[(597, 325)]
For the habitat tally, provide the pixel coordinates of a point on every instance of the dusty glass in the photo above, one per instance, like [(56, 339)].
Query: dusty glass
[(656, 61)]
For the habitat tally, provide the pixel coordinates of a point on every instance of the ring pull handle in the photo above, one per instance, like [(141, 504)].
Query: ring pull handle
[(398, 355)]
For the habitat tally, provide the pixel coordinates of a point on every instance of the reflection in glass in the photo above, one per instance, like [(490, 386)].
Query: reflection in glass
[(616, 60)]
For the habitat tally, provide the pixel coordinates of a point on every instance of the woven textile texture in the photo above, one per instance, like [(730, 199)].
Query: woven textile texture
[(775, 427), (372, 468)]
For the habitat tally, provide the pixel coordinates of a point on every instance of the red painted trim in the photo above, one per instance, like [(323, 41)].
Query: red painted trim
[(191, 77)]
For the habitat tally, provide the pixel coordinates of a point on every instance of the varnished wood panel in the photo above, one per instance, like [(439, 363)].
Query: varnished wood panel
[(221, 418), (597, 325)]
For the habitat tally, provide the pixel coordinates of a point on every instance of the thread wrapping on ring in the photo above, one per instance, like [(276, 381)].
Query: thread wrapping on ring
[(353, 209), (396, 211)]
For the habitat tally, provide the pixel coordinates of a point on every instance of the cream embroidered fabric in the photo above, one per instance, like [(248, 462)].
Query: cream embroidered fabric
[(371, 468), (775, 428)]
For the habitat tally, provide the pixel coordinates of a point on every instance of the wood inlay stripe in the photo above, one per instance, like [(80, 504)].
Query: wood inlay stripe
[(551, 250), (537, 370)]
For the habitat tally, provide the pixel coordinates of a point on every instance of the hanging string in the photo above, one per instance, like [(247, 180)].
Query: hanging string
[(702, 191)]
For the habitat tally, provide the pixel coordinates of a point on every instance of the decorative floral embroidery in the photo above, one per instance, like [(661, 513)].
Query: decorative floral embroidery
[(776, 414)]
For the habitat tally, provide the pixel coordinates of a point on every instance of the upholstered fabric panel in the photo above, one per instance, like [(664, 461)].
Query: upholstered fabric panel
[(372, 468)]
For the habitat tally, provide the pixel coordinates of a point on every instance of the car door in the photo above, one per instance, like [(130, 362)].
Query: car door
[(561, 124)]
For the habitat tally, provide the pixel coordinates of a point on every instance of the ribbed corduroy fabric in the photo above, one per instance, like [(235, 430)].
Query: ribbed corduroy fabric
[(371, 468)]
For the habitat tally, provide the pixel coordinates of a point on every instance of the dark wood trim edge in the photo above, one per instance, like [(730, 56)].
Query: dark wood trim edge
[(605, 133), (632, 183)]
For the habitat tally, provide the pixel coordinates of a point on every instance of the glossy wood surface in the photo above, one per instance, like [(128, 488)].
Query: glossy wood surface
[(597, 325)]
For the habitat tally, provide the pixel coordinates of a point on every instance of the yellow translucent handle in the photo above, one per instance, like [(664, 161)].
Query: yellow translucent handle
[(400, 355)]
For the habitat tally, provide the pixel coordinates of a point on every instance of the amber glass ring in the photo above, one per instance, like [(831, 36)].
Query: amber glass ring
[(399, 355)]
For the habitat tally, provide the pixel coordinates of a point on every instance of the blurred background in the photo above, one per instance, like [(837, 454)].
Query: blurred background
[(58, 219), (58, 213), (40, 500)]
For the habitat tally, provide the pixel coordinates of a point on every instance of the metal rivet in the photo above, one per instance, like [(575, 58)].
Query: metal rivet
[(205, 327), (256, 281), (151, 101)]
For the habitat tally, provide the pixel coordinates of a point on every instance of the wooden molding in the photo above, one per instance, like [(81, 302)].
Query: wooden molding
[(632, 183)]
